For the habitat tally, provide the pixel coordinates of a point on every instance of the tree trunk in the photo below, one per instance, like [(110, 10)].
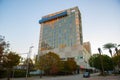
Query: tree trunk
[(8, 73), (110, 51)]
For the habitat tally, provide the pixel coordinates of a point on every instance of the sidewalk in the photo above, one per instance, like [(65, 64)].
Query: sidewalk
[(112, 77)]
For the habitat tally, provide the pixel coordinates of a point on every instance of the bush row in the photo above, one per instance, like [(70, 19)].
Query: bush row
[(15, 73)]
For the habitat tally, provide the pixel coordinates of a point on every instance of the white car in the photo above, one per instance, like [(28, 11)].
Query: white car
[(37, 72)]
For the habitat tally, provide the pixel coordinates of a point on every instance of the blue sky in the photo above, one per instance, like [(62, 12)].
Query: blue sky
[(19, 21)]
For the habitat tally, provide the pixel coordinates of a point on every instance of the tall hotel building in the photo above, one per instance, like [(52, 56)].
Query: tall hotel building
[(61, 32)]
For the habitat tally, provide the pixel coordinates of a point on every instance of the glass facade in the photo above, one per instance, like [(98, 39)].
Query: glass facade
[(59, 33)]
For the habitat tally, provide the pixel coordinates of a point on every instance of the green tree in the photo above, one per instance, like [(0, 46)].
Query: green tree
[(49, 63), (116, 59), (68, 66), (13, 60), (29, 62), (116, 49), (94, 61), (109, 46), (65, 67), (72, 65), (3, 49)]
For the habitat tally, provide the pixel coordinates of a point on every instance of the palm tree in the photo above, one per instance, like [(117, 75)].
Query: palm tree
[(101, 60), (116, 48), (109, 46)]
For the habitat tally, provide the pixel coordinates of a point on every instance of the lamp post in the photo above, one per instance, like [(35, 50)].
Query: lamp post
[(28, 56), (101, 60)]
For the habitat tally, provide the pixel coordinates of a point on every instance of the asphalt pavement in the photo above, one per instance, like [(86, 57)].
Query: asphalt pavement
[(70, 77)]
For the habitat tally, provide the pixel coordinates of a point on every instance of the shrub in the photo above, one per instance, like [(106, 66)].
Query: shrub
[(19, 73), (3, 73)]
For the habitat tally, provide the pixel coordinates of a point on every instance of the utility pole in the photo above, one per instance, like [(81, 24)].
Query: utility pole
[(28, 59)]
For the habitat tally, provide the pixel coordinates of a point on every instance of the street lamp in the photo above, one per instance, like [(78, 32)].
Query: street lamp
[(28, 56)]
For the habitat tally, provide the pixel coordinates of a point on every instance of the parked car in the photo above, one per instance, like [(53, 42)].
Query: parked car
[(86, 74), (37, 72)]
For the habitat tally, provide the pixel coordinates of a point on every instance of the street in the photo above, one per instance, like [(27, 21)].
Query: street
[(71, 77)]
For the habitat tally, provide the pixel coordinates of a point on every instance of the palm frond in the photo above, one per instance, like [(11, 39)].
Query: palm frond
[(108, 45)]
